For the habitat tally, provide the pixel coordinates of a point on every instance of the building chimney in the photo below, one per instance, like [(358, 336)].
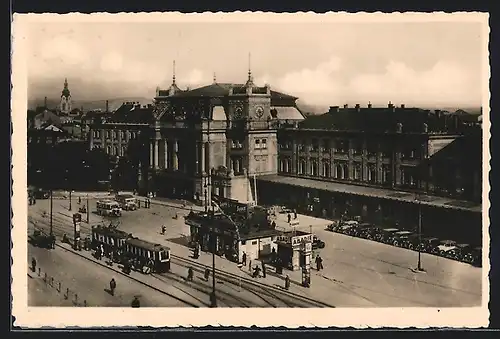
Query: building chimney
[(357, 107), (402, 105), (45, 102), (334, 109), (107, 106), (346, 106), (369, 105), (390, 105)]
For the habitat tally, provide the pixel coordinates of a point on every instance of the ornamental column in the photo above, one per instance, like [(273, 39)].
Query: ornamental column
[(156, 154), (151, 156)]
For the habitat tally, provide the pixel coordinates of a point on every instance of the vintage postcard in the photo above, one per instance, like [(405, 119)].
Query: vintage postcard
[(202, 169)]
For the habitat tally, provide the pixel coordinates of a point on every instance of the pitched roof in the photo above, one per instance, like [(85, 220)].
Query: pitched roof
[(366, 119), (132, 113), (222, 89)]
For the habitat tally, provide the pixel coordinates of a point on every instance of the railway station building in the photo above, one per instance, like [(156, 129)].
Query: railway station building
[(252, 144)]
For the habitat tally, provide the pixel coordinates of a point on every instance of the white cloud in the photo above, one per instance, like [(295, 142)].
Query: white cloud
[(196, 77), (111, 62), (445, 82)]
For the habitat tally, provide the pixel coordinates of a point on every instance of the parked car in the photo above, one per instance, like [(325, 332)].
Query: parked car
[(428, 245), (446, 247), (359, 229), (400, 238), (387, 235), (332, 227), (411, 241), (317, 243), (459, 252), (474, 257)]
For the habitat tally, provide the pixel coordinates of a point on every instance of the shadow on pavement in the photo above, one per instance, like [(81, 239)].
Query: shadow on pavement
[(182, 240)]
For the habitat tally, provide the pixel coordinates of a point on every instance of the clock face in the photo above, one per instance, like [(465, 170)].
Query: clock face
[(238, 112), (259, 111)]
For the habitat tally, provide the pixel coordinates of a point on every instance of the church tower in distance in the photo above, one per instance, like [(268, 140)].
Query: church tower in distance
[(65, 104)]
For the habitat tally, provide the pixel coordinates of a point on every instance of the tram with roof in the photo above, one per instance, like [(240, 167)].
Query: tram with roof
[(145, 256)]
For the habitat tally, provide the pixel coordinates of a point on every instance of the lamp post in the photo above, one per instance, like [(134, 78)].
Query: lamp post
[(51, 229), (88, 210), (419, 264), (70, 199)]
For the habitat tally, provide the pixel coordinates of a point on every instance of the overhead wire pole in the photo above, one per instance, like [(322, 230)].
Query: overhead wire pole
[(51, 202)]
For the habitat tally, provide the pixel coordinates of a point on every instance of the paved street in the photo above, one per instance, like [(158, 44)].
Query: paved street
[(357, 272), (89, 281)]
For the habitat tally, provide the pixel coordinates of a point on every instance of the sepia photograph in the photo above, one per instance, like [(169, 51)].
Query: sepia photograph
[(202, 169)]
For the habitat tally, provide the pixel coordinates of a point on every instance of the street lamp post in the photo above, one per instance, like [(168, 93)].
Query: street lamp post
[(51, 229), (419, 264), (88, 210)]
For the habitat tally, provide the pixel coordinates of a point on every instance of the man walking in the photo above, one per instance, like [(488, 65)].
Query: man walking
[(263, 269), (33, 264), (112, 286), (244, 259), (319, 263)]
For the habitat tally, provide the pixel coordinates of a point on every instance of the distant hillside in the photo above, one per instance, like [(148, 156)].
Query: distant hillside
[(89, 104)]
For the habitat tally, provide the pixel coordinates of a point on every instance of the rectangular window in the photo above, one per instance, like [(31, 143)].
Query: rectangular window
[(257, 144), (263, 144), (254, 242)]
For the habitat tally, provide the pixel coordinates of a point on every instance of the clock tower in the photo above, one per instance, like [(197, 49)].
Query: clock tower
[(250, 113)]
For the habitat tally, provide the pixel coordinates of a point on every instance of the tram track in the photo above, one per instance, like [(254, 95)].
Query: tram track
[(123, 274), (270, 295), (257, 288)]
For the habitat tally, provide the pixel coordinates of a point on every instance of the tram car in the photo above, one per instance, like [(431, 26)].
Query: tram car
[(146, 257), (111, 239)]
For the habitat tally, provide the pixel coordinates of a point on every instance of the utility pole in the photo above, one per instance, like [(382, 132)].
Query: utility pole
[(419, 250), (70, 199), (51, 230), (88, 210)]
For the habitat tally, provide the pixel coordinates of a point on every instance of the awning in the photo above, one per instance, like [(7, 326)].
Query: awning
[(288, 113), (373, 192)]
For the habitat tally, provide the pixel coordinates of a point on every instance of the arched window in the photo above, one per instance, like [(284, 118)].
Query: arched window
[(314, 168), (115, 150), (372, 174), (108, 150), (357, 172), (340, 171), (282, 165), (124, 150), (326, 169), (302, 167)]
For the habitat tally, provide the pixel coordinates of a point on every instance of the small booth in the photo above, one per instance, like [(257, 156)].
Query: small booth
[(295, 249)]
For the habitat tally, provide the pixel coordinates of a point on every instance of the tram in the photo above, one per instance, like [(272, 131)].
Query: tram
[(110, 238), (146, 257), (132, 252)]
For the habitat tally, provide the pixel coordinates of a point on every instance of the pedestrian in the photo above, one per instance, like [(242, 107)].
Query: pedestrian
[(207, 274), (138, 203), (295, 214), (135, 303), (244, 259), (250, 265), (287, 282), (256, 272), (289, 217), (33, 264), (190, 274), (163, 229), (273, 225), (79, 200), (112, 286), (319, 262), (263, 269)]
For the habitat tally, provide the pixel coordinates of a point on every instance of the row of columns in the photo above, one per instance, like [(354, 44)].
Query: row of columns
[(170, 158)]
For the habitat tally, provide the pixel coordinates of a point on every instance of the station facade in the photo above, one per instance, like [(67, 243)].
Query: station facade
[(250, 143)]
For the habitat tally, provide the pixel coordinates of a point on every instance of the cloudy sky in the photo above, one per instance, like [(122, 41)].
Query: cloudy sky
[(327, 63)]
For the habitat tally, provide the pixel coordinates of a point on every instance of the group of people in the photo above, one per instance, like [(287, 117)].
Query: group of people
[(31, 200), (289, 216), (147, 203)]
